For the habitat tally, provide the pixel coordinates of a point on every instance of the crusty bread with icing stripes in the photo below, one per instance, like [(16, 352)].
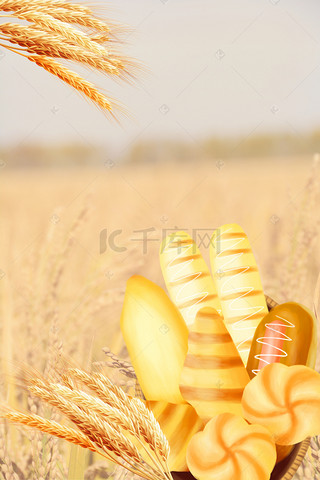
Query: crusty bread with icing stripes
[(187, 276), (238, 284), (179, 423), (213, 376)]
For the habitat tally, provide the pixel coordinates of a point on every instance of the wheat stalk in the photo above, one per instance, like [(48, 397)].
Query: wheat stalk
[(74, 80), (51, 427), (109, 422), (39, 42), (115, 397), (134, 424), (94, 404), (123, 366), (108, 439), (13, 5), (54, 32), (51, 24)]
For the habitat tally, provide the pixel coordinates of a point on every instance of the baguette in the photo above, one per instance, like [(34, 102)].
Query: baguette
[(238, 283), (187, 276)]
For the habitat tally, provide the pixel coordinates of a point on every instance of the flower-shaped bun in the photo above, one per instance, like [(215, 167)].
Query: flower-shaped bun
[(286, 400), (230, 449)]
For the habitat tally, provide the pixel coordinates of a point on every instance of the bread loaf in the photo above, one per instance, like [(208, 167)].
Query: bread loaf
[(230, 449), (187, 276), (156, 338), (288, 335), (213, 375), (286, 400), (238, 283)]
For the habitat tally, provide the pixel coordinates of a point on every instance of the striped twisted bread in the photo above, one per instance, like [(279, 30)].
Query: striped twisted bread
[(286, 400), (230, 449), (238, 283), (187, 276), (213, 375)]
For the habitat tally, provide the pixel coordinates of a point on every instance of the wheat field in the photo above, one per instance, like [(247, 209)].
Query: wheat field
[(72, 237)]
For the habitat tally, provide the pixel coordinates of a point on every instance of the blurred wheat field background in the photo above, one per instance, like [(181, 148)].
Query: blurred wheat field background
[(62, 279)]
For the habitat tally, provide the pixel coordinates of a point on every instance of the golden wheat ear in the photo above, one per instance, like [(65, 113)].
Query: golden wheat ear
[(103, 418), (61, 30)]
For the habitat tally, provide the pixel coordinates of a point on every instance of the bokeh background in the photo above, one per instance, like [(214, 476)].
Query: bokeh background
[(225, 128)]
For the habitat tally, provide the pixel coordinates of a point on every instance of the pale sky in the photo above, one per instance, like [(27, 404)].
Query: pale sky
[(216, 67)]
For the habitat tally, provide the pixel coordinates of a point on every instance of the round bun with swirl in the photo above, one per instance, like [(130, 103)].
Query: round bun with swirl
[(286, 400), (229, 448)]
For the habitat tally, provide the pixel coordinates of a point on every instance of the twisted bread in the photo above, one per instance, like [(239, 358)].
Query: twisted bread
[(213, 376), (230, 449), (286, 400)]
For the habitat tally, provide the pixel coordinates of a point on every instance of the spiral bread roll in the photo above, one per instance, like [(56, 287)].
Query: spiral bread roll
[(238, 283), (230, 449), (156, 338), (179, 423), (288, 335), (286, 400), (213, 376), (187, 276)]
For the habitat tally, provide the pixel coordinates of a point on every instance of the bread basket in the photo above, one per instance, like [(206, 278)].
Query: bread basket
[(283, 470)]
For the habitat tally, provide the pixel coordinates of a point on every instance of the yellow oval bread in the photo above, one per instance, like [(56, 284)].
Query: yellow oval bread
[(187, 276), (156, 337), (238, 283)]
